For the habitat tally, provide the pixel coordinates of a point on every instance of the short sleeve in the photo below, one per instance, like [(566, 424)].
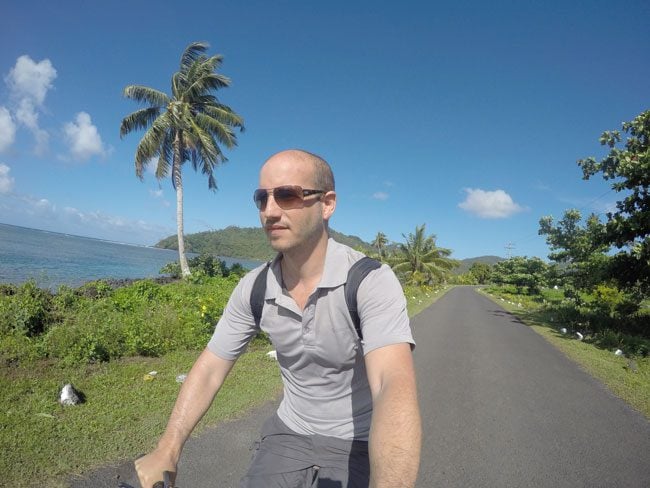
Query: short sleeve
[(236, 327), (382, 310)]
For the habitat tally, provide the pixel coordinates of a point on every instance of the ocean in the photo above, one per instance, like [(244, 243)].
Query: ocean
[(52, 259)]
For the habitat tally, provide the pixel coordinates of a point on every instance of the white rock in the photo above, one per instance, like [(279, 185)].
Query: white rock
[(272, 355), (563, 330), (618, 352), (555, 287), (152, 373), (69, 396)]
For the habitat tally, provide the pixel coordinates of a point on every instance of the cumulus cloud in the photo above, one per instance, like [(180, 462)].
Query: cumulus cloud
[(28, 83), (380, 195), (83, 138), (490, 204), (7, 129), (6, 181)]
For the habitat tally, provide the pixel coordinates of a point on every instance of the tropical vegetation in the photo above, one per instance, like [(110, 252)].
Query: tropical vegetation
[(597, 284), (188, 125), (420, 261)]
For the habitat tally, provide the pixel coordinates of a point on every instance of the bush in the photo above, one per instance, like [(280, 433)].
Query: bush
[(140, 292), (26, 311)]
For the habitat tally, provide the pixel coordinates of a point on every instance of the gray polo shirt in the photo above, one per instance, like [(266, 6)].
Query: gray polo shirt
[(321, 359)]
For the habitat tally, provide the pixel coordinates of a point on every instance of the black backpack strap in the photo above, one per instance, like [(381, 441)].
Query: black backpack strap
[(356, 275), (257, 294)]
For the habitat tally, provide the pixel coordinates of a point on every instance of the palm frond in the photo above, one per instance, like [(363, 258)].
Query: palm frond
[(205, 84), (192, 52), (140, 119), (223, 132), (151, 143), (224, 114), (144, 94)]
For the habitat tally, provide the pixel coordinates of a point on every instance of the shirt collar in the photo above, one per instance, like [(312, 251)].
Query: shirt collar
[(335, 271)]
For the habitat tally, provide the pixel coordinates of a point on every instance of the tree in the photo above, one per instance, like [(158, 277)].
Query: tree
[(578, 249), (521, 272), (480, 272), (189, 125), (419, 261), (379, 243), (628, 228)]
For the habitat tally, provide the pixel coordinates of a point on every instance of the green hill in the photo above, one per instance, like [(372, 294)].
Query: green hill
[(242, 242), (465, 264)]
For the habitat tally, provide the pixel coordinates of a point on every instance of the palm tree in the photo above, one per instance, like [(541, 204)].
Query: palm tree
[(420, 261), (379, 242), (189, 125)]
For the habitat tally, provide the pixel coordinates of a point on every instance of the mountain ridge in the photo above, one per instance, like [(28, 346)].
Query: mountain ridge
[(251, 243)]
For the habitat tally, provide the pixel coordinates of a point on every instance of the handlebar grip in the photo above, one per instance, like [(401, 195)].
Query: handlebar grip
[(166, 482)]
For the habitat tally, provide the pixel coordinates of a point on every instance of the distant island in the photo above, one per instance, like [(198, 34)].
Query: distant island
[(243, 243), (251, 243)]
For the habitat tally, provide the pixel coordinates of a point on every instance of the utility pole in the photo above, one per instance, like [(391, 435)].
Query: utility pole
[(509, 247)]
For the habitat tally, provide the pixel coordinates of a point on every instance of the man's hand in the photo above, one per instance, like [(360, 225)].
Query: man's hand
[(150, 468)]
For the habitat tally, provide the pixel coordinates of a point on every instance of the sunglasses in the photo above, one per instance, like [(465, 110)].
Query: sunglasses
[(287, 197)]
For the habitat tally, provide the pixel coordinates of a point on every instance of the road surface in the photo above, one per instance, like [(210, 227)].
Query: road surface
[(501, 407)]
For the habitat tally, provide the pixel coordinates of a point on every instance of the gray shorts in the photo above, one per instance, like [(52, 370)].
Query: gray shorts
[(284, 459)]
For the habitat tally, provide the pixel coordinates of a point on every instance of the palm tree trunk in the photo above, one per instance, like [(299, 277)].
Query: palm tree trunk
[(178, 183)]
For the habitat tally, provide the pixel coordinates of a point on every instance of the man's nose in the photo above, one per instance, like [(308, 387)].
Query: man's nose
[(271, 209)]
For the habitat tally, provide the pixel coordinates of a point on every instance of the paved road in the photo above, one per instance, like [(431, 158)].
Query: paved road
[(500, 406)]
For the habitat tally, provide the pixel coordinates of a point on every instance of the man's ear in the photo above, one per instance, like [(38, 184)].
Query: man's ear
[(329, 204)]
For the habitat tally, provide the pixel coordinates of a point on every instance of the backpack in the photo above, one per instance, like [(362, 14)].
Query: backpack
[(356, 275)]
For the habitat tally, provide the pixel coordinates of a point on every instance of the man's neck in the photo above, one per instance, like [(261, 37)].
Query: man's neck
[(305, 264)]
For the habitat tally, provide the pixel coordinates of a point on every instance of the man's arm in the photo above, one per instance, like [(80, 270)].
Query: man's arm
[(395, 432), (199, 389)]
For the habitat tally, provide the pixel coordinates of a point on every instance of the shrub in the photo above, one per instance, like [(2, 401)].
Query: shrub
[(93, 333), (143, 291), (26, 311), (95, 289)]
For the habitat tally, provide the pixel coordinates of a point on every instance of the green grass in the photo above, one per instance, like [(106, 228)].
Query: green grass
[(613, 371), (42, 442), (417, 299)]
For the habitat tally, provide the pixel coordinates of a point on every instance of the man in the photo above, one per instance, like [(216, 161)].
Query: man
[(349, 416)]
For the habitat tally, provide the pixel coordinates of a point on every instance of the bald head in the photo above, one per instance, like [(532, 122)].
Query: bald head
[(303, 161)]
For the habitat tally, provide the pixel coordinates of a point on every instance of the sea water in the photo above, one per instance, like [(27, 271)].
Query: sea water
[(52, 259)]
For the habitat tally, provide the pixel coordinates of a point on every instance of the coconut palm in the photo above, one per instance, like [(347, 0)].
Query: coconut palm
[(189, 125), (379, 243), (419, 261)]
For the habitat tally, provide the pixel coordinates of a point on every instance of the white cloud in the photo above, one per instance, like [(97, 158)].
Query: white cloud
[(490, 204), (380, 195), (7, 129), (83, 138), (156, 193), (31, 80), (28, 83), (6, 181)]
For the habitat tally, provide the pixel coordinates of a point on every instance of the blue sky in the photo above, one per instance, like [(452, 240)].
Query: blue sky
[(466, 116)]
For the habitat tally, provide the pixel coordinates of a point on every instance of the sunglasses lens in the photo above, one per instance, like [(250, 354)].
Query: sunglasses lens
[(287, 196), (260, 197)]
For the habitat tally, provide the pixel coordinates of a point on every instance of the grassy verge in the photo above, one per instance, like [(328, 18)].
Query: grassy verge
[(417, 299), (43, 444), (614, 371)]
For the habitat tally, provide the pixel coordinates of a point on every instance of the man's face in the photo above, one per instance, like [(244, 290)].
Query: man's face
[(291, 228)]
